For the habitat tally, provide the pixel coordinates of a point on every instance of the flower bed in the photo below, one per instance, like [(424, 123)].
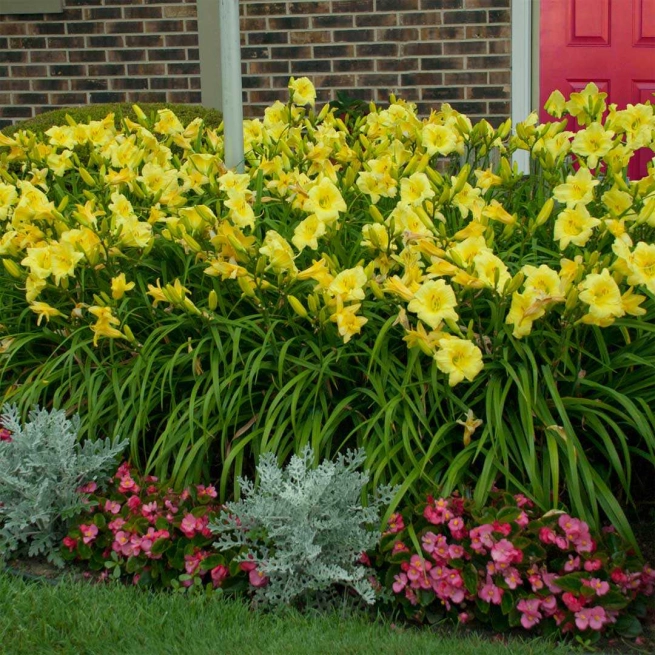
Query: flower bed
[(373, 283)]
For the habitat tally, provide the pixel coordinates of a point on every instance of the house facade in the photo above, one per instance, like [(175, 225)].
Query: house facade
[(77, 52)]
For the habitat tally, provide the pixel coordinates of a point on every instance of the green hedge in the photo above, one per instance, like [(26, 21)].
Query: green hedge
[(186, 113)]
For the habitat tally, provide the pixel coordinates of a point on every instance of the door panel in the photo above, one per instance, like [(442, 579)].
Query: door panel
[(609, 42)]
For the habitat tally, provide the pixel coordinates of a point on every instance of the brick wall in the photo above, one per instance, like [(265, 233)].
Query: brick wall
[(428, 51)]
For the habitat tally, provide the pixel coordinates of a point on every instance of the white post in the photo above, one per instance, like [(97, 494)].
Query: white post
[(228, 11), (521, 69)]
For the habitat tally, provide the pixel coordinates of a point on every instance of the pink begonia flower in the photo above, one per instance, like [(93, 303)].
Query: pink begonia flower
[(550, 580), (89, 532), (441, 549), (185, 495), (399, 547), (411, 596), (504, 552), (465, 617), (5, 435), (122, 471), (116, 524), (523, 520), (150, 511), (481, 538), (428, 541), (522, 501), (572, 564), (572, 602), (188, 526), (549, 605), (192, 562), (437, 511), (249, 565), (457, 527), (112, 507), (418, 572), (491, 593), (561, 542), (547, 536), (70, 543), (599, 586), (219, 574), (121, 543), (134, 502), (151, 490), (170, 506), (591, 617), (504, 528), (455, 551), (400, 582), (530, 614), (364, 559), (257, 578), (536, 582), (395, 524), (128, 485), (512, 577), (592, 565), (585, 545), (151, 478), (206, 492)]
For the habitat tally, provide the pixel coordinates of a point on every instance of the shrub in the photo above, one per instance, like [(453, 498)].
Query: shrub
[(303, 529), (45, 479), (43, 122), (344, 293), (141, 530), (510, 566)]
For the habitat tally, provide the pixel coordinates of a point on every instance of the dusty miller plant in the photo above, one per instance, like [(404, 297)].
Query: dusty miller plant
[(41, 469), (305, 527)]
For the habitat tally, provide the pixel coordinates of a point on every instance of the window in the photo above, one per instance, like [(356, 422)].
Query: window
[(31, 7)]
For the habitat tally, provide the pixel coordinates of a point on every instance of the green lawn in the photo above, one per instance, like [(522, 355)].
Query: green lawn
[(81, 619)]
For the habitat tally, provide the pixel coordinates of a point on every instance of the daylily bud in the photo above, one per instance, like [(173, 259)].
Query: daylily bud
[(514, 284), (297, 306), (191, 242), (505, 170), (213, 300), (376, 289), (422, 163), (434, 176), (128, 333), (140, 116), (236, 244), (12, 268), (462, 179), (544, 212), (246, 286), (571, 300), (409, 168), (375, 213), (86, 176), (63, 204), (312, 302)]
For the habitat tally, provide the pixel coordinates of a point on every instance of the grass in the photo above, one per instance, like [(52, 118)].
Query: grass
[(80, 619)]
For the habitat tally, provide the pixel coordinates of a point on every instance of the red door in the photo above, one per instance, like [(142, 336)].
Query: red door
[(609, 42)]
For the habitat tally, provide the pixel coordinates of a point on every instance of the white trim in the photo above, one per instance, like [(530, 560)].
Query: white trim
[(209, 45), (521, 81), (31, 7)]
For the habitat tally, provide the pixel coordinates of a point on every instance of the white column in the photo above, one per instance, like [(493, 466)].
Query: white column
[(521, 70), (231, 83)]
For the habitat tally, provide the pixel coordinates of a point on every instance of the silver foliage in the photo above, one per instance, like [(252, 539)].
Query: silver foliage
[(305, 526), (41, 469)]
